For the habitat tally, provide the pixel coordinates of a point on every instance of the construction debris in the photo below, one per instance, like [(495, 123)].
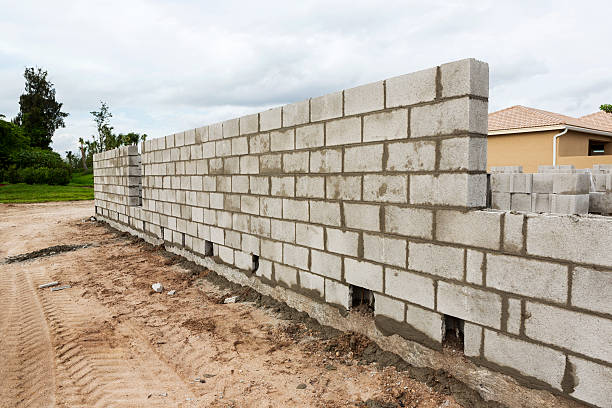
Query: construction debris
[(232, 299), (158, 287), (172, 292), (48, 285), (60, 288)]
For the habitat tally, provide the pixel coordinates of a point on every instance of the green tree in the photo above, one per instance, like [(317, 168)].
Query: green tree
[(606, 108), (40, 114), (12, 140), (105, 135)]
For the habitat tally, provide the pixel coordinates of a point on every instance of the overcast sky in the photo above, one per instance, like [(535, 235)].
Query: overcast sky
[(167, 66)]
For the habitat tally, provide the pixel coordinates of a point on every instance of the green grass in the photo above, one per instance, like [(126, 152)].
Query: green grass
[(40, 193), (80, 179)]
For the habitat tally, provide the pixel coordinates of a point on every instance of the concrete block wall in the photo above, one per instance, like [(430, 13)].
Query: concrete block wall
[(117, 182), (559, 190), (383, 187)]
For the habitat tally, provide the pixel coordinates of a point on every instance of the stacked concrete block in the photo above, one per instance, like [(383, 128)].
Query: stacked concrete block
[(380, 189)]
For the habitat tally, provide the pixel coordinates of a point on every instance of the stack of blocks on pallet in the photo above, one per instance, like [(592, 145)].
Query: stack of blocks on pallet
[(554, 189), (382, 188)]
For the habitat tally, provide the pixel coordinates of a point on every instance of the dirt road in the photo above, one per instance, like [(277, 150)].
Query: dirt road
[(109, 340)]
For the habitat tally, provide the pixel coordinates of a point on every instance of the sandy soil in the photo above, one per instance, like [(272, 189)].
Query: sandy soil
[(109, 340)]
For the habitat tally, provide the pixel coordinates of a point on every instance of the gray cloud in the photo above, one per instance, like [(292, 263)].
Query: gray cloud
[(166, 66)]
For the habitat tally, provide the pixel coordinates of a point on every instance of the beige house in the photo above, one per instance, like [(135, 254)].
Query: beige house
[(531, 137)]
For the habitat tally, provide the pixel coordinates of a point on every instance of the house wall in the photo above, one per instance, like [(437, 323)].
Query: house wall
[(383, 187), (532, 149)]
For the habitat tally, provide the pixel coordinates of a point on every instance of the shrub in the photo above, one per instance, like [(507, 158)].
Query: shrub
[(27, 175), (13, 176), (3, 175), (58, 176)]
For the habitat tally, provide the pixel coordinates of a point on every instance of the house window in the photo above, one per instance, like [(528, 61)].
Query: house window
[(596, 148)]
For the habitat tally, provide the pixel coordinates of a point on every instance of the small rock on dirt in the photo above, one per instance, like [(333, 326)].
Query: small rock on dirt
[(158, 287), (232, 299), (330, 367), (172, 292), (301, 386)]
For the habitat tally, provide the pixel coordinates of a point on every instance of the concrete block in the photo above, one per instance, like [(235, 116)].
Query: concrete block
[(342, 242), (579, 332), (272, 250), (282, 140), (521, 182), (223, 148), (364, 274), (226, 254), (473, 305), (270, 163), (500, 182), (600, 203), (385, 125), (179, 139), (385, 306), (513, 232), (282, 186), (463, 190), (308, 235), (265, 269), (463, 153), (472, 339), (411, 222), (546, 280), (326, 161), (465, 77), (296, 113), (592, 382), (337, 293), (389, 251), (578, 183), (297, 162), (363, 158), (240, 184), (514, 319), (249, 204), (436, 260), (295, 210), (520, 202), (389, 189), (591, 289), (270, 119), (309, 136), (230, 129), (500, 201), (474, 228), (271, 207), (563, 168), (542, 183), (475, 267), (599, 182), (240, 146), (365, 98), (243, 261), (425, 321), (540, 202), (259, 143), (282, 230), (314, 284), (463, 115), (560, 237), (310, 186), (343, 131), (249, 124), (250, 244), (285, 275), (325, 213), (531, 360), (569, 204), (410, 286), (326, 107), (208, 150), (343, 187), (295, 256), (411, 156), (362, 216), (259, 185), (411, 88), (326, 264)]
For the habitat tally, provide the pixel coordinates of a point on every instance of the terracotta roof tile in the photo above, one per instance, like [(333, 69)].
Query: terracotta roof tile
[(518, 117)]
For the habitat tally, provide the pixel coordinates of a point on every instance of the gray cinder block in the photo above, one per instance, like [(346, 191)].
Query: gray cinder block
[(500, 201), (520, 202), (542, 183), (540, 202), (569, 204), (576, 183)]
